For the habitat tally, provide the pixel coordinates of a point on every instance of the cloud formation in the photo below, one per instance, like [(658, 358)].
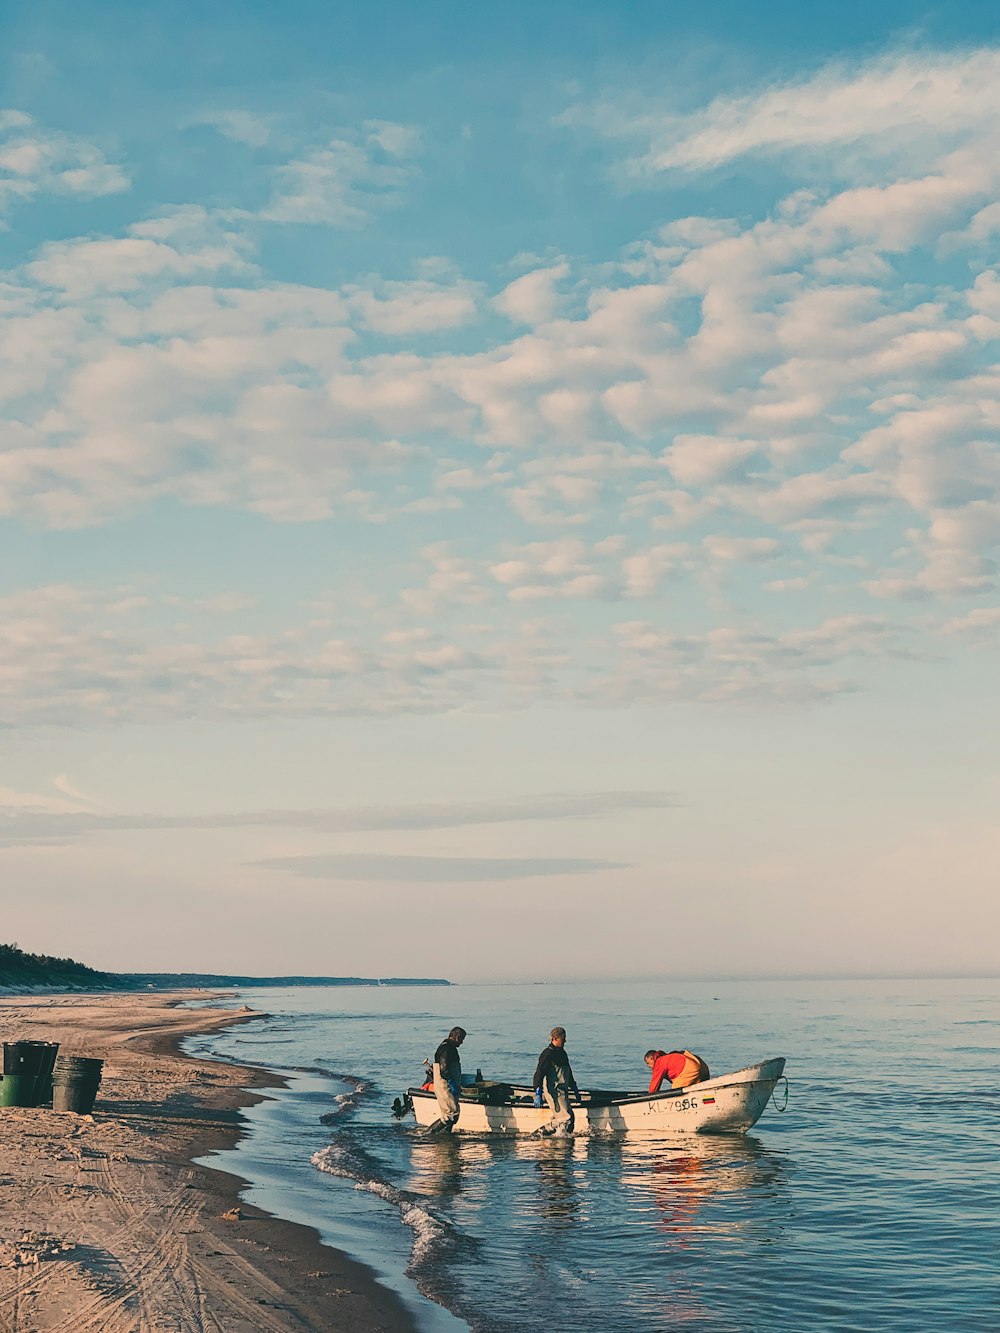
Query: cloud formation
[(893, 108), (600, 481), (70, 659), (342, 182), (36, 161), (433, 869), (27, 818)]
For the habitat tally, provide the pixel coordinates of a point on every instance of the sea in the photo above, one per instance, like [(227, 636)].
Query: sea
[(868, 1200)]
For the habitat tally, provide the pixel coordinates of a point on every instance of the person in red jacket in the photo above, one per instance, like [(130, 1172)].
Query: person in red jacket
[(679, 1068)]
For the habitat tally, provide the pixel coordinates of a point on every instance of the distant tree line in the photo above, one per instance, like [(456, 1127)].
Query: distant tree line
[(18, 968), (174, 980)]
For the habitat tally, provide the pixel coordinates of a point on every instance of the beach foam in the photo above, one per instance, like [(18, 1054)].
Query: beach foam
[(351, 1162), (345, 1103)]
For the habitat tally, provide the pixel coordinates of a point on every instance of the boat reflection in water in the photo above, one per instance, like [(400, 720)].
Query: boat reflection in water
[(556, 1163), (440, 1166), (467, 1174), (646, 1219), (668, 1181), (694, 1202), (700, 1185)]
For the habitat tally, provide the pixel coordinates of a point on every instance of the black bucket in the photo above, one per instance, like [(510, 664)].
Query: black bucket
[(26, 1069), (75, 1081), (78, 1066), (43, 1081)]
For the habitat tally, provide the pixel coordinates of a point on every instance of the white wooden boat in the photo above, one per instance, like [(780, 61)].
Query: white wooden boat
[(726, 1105)]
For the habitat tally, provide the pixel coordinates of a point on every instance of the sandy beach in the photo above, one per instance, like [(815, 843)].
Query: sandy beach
[(106, 1225)]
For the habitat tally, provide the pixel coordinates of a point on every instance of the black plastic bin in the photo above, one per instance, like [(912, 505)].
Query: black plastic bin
[(43, 1082), (75, 1081)]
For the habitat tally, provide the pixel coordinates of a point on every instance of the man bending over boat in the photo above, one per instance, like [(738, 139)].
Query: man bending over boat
[(679, 1068), (554, 1078), (448, 1082)]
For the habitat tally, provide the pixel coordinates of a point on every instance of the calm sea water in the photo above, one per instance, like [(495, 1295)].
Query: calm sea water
[(871, 1203)]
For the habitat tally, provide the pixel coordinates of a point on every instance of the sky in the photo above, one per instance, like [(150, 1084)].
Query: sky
[(500, 491)]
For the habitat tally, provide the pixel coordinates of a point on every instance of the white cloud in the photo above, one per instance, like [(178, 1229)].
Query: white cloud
[(450, 580), (259, 384), (532, 299), (184, 244), (738, 665), (562, 568), (247, 127), (698, 460), (390, 868), (797, 584), (982, 622), (741, 549), (947, 570), (807, 394), (28, 806), (644, 571), (344, 181), (420, 306), (35, 160), (395, 140), (810, 495), (887, 109), (77, 657)]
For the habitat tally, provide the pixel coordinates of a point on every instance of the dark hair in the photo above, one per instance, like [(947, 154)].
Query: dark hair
[(456, 1034), (655, 1054)]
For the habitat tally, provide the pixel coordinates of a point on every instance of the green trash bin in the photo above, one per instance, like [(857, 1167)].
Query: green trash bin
[(75, 1082), (14, 1090)]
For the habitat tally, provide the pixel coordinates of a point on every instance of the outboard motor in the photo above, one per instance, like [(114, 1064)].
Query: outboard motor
[(402, 1106)]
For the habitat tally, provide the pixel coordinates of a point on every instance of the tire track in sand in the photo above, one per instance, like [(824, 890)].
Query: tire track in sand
[(148, 1293)]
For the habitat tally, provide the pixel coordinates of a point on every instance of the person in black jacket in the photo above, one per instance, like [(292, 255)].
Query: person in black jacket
[(554, 1078), (448, 1081)]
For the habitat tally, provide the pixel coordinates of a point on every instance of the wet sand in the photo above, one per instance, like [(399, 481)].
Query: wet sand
[(105, 1224)]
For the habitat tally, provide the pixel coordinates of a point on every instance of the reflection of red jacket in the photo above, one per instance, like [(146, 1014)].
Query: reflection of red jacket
[(679, 1068)]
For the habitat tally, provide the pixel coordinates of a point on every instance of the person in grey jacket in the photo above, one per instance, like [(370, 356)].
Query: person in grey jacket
[(448, 1081), (554, 1079)]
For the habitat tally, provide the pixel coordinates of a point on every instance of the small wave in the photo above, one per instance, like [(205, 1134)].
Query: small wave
[(318, 1067), (345, 1104), (351, 1163), (263, 1041)]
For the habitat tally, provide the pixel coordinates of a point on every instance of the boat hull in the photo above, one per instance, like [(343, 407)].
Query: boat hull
[(727, 1105)]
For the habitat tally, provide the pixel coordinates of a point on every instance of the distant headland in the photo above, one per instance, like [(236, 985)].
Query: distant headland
[(174, 980), (20, 970)]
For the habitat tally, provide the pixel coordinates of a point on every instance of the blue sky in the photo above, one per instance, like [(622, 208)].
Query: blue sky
[(477, 481)]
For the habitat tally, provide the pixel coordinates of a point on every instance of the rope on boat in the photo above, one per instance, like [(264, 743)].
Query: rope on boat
[(784, 1080)]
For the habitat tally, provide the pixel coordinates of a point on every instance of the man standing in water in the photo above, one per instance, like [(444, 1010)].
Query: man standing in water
[(554, 1077), (448, 1082)]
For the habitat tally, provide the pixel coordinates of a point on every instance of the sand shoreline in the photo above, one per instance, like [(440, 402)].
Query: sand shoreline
[(105, 1223)]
